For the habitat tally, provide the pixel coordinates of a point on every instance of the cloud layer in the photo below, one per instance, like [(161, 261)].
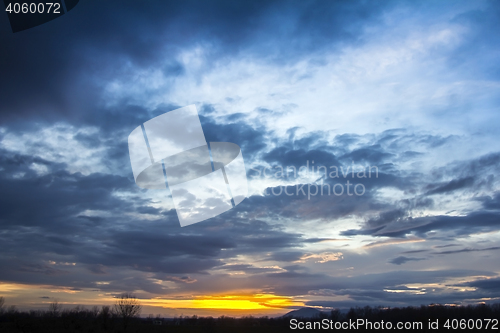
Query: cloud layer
[(320, 96)]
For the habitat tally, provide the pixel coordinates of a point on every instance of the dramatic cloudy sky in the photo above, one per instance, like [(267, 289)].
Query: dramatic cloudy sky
[(409, 90)]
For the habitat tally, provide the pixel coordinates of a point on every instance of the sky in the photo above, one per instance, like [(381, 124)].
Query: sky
[(391, 104)]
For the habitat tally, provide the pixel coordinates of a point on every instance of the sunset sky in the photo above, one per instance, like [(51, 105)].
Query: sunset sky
[(409, 90)]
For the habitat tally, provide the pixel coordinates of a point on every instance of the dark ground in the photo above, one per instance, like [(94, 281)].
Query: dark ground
[(94, 321)]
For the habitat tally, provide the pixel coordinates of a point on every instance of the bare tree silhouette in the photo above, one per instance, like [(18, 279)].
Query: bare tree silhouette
[(55, 309), (2, 302), (104, 316), (127, 306)]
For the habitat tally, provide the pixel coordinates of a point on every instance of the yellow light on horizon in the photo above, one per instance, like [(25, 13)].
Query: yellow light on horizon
[(229, 302)]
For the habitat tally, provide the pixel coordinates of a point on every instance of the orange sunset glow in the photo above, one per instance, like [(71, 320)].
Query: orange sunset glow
[(211, 305), (229, 302)]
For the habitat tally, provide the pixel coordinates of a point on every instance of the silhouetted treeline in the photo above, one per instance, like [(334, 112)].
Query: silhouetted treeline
[(95, 320)]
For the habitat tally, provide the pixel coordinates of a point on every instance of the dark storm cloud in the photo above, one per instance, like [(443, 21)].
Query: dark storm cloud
[(110, 256), (181, 279), (294, 207), (320, 240), (402, 259), (97, 269), (312, 140), (471, 174), (251, 140), (164, 245), (386, 218), (160, 246), (13, 163), (452, 185), (53, 63), (300, 157), (55, 195), (490, 285), (54, 227), (376, 287), (399, 138), (251, 235), (249, 269), (444, 246), (483, 169), (372, 165), (414, 251), (374, 155), (286, 256), (40, 269), (323, 203), (468, 250), (491, 202), (459, 225), (315, 152)]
